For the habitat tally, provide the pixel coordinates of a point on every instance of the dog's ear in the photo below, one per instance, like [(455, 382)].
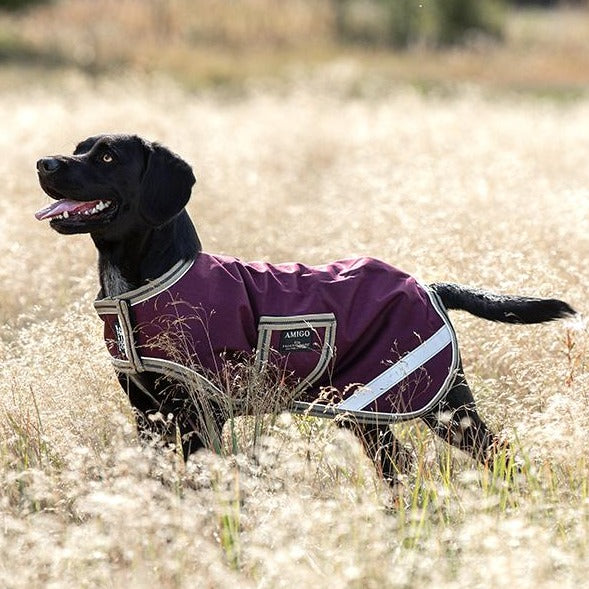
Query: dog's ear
[(166, 185), (86, 145)]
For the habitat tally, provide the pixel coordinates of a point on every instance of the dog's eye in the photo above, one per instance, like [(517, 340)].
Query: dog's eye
[(107, 158)]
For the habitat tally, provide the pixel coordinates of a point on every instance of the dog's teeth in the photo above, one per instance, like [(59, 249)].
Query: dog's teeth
[(65, 215)]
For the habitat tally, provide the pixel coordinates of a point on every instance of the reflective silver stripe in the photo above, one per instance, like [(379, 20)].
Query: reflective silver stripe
[(159, 285), (119, 306), (188, 376), (106, 306), (147, 291), (398, 371), (123, 366), (327, 352), (127, 328), (288, 321)]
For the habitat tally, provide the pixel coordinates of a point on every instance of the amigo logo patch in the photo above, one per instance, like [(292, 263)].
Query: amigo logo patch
[(296, 340)]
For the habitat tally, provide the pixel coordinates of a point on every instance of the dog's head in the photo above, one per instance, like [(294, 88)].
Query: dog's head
[(112, 185)]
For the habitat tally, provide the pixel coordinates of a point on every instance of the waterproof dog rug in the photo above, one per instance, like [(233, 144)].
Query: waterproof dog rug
[(356, 337)]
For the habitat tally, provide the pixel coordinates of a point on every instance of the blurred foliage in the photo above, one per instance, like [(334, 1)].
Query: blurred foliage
[(219, 43), (20, 4), (404, 23)]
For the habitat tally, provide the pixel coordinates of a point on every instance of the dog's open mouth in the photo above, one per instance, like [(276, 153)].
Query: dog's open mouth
[(75, 211)]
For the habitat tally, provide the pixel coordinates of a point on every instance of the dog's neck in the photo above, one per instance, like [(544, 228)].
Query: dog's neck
[(142, 256)]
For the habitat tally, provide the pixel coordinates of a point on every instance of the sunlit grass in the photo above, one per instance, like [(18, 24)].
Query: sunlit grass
[(462, 188)]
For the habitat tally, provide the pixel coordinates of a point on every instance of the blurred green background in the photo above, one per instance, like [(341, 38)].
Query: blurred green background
[(538, 46)]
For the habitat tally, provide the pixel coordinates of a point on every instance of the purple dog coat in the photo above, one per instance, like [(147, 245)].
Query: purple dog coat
[(356, 336)]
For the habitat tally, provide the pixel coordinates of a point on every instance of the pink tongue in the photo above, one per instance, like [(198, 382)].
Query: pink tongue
[(61, 206)]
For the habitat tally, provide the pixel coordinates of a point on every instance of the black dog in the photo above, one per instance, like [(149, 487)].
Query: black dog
[(130, 194)]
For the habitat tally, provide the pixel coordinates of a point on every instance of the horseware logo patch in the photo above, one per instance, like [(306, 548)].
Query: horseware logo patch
[(296, 340)]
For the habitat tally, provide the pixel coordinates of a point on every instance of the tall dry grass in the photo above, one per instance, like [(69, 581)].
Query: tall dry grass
[(493, 193)]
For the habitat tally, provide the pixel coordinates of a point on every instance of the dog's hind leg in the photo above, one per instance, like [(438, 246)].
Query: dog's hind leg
[(458, 423), (390, 456)]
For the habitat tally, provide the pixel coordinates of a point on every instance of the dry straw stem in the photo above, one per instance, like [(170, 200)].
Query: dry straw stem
[(488, 192)]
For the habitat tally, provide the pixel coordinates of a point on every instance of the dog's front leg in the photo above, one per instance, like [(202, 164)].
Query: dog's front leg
[(148, 411), (166, 412)]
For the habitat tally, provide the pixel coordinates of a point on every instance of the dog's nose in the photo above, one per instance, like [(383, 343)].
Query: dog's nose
[(47, 165)]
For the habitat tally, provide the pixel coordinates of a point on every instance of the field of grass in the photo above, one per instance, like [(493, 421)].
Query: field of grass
[(493, 193), (490, 189)]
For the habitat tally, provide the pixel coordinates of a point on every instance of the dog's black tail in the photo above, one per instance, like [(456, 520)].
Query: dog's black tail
[(504, 308)]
